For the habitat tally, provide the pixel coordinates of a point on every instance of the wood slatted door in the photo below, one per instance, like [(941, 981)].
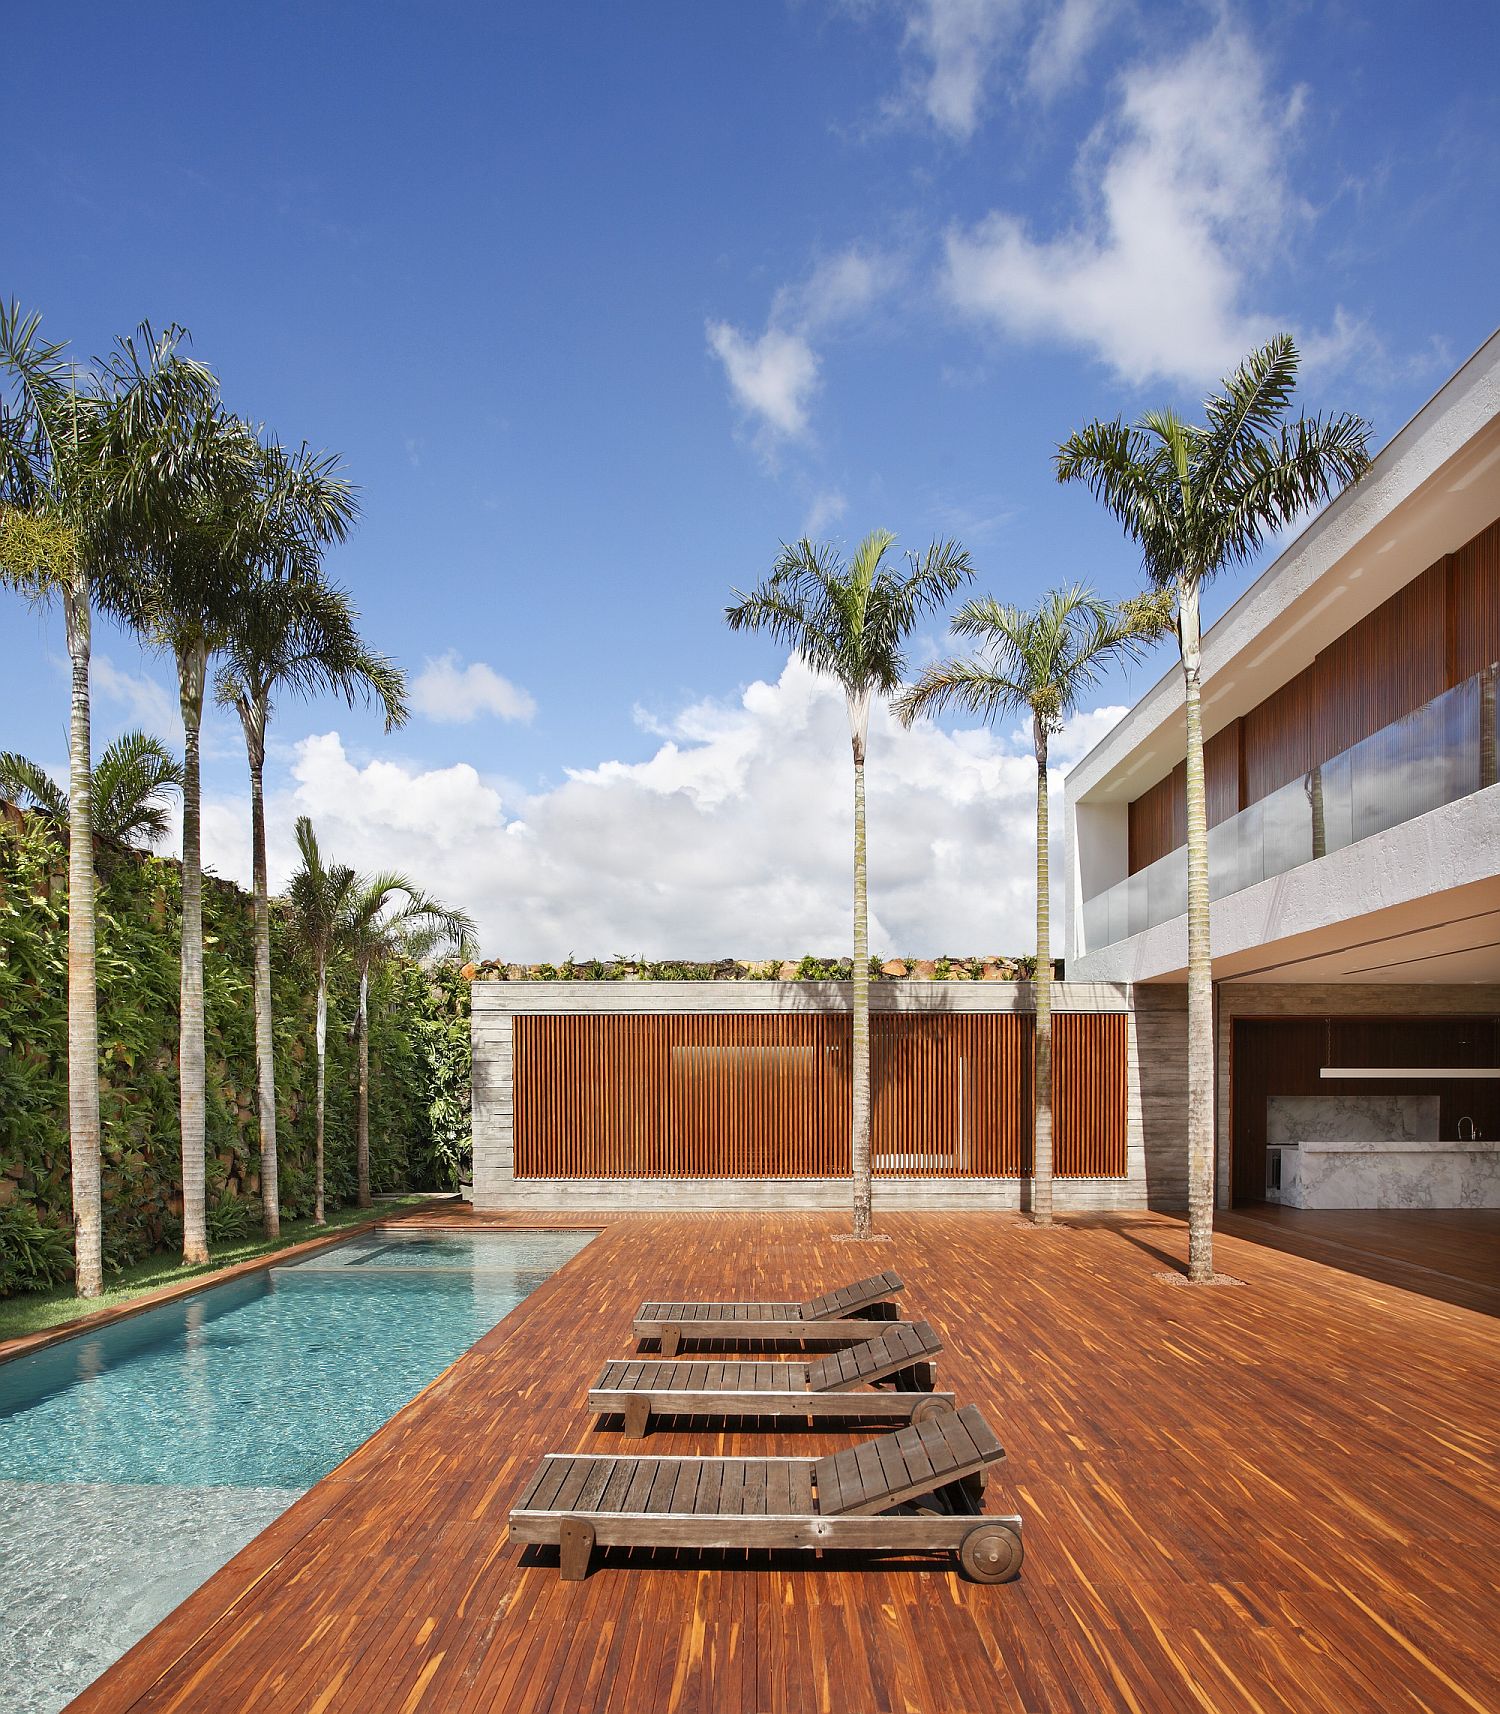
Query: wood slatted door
[(759, 1096), (1089, 1094), (952, 1095)]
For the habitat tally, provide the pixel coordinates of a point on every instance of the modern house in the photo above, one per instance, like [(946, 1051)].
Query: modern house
[(1354, 845)]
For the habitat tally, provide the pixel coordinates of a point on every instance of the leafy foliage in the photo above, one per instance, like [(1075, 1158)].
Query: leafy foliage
[(138, 997)]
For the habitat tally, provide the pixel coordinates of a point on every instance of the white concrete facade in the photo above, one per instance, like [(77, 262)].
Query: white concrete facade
[(1418, 902)]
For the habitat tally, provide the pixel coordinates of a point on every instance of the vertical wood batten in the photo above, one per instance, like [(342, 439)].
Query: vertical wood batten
[(766, 1095)]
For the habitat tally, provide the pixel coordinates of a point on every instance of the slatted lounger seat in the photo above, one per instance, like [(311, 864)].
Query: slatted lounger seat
[(839, 1317), (919, 1490), (842, 1384)]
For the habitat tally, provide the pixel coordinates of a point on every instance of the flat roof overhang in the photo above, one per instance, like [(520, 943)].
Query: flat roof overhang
[(1430, 490), (1419, 903)]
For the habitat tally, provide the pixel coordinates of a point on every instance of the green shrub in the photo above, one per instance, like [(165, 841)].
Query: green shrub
[(418, 1076), (33, 1255)]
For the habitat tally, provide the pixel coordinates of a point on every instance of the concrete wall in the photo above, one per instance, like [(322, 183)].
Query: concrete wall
[(1156, 1094)]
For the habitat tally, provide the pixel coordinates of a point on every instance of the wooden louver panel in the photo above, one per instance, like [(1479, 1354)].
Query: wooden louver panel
[(766, 1095)]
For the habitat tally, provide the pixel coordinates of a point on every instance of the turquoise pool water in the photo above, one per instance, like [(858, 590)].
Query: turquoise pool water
[(135, 1461)]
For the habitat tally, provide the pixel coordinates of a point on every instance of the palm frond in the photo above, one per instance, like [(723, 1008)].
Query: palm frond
[(29, 786), (131, 780)]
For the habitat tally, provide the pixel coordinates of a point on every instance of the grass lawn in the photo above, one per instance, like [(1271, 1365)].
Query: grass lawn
[(33, 1312)]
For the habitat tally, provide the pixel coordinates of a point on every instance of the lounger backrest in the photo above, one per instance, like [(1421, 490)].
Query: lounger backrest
[(848, 1298), (902, 1345), (863, 1480)]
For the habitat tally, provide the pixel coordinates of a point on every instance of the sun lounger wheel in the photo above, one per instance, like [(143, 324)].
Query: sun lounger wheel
[(991, 1553), (930, 1409)]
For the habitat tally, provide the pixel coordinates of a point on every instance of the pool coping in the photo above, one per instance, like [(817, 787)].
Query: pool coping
[(24, 1344)]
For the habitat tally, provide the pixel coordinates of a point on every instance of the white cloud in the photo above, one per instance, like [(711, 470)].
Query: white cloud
[(1063, 41), (958, 43), (771, 378), (733, 837), (826, 508), (148, 702), (1186, 197), (455, 694)]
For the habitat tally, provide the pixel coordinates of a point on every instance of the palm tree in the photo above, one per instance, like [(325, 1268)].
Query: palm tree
[(319, 900), (388, 916), (79, 459), (298, 636), (242, 514), (851, 623), (131, 780), (1039, 663), (1197, 497)]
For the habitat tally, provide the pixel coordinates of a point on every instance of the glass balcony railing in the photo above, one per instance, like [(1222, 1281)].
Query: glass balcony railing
[(1432, 756)]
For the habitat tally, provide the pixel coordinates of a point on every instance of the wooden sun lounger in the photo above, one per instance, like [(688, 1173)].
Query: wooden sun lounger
[(841, 1384), (919, 1490), (839, 1317)]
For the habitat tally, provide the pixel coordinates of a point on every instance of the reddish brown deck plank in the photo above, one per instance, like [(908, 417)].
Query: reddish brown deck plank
[(1271, 1498)]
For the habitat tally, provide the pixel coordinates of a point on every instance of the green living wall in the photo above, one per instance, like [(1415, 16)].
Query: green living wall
[(419, 1055)]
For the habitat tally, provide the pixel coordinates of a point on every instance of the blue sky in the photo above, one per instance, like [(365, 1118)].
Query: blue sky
[(600, 302)]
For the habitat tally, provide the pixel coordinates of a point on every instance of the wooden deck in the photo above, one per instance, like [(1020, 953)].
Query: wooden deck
[(1275, 1497)]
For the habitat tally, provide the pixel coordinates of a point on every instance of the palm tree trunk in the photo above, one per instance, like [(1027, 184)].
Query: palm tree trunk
[(253, 711), (1200, 1113), (362, 1145), (322, 1038), (192, 668), (83, 998), (859, 1065), (1041, 1163)]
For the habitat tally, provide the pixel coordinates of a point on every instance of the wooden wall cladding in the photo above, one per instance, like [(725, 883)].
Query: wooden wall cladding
[(1441, 628), (1157, 821), (766, 1095), (1473, 590), (1222, 768)]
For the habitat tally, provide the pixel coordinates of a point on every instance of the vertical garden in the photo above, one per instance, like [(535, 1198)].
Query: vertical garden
[(419, 1062)]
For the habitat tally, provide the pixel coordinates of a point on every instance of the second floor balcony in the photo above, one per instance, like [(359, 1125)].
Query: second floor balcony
[(1440, 752)]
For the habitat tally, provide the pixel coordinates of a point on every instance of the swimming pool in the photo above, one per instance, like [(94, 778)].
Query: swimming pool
[(136, 1460)]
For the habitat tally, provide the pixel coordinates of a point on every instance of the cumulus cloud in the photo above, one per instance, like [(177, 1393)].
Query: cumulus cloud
[(771, 378), (1185, 196), (733, 836), (448, 691)]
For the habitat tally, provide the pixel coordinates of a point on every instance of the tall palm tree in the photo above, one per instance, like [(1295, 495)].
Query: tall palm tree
[(850, 622), (319, 898), (243, 513), (80, 458), (131, 780), (297, 636), (1038, 663), (1197, 497), (387, 916)]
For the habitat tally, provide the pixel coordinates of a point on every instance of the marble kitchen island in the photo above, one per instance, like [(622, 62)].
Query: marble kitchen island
[(1380, 1151)]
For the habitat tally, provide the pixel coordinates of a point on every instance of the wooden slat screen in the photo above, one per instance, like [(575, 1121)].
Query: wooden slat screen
[(766, 1095), (1089, 1094)]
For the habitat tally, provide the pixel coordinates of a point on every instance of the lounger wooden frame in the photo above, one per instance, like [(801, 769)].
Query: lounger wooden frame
[(841, 1385), (839, 1317), (844, 1500)]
